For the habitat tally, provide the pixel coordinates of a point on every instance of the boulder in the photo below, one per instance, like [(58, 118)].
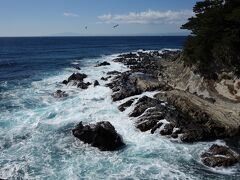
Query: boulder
[(65, 82), (145, 103), (77, 77), (60, 94), (96, 83), (77, 80), (83, 85), (101, 135), (105, 63), (220, 156)]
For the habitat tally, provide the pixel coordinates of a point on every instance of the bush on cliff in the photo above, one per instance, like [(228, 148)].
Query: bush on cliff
[(214, 44)]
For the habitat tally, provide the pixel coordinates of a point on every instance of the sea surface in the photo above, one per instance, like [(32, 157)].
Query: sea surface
[(35, 128)]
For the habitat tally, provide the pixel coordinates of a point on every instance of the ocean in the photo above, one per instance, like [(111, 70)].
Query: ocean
[(36, 141)]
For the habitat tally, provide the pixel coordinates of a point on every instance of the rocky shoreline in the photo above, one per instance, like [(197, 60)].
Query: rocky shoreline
[(185, 106), (186, 113), (197, 115)]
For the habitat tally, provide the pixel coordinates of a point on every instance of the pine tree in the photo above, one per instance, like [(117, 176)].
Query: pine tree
[(214, 44)]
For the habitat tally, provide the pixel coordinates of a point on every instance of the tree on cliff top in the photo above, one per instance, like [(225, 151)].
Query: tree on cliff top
[(214, 44)]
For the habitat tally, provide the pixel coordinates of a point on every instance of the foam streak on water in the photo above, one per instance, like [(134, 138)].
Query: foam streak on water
[(36, 140)]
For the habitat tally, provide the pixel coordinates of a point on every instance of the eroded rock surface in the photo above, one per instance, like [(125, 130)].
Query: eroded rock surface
[(125, 105), (129, 84), (77, 79), (195, 109), (101, 135), (220, 156)]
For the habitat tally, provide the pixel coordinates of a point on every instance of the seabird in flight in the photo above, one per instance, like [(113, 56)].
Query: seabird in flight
[(116, 26)]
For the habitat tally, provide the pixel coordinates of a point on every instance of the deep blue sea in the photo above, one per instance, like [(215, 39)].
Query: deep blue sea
[(35, 128)]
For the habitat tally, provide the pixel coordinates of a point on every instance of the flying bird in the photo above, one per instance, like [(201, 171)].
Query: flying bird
[(86, 27), (116, 26)]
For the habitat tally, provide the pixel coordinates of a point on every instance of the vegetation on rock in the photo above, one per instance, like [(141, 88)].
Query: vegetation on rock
[(214, 44)]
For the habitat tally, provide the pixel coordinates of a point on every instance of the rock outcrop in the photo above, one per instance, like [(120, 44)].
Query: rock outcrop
[(101, 135), (105, 63), (153, 114), (77, 79), (207, 120), (128, 84), (125, 105), (113, 73), (195, 108), (220, 156), (60, 94), (105, 78), (96, 83)]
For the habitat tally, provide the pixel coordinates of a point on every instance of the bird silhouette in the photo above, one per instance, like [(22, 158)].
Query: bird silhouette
[(116, 26)]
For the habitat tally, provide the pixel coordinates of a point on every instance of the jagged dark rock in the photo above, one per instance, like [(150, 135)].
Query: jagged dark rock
[(113, 73), (83, 85), (128, 84), (96, 83), (157, 126), (218, 155), (150, 111), (129, 55), (197, 109), (60, 94), (145, 103), (105, 63), (77, 77), (125, 105), (167, 129), (101, 135), (65, 82), (105, 78)]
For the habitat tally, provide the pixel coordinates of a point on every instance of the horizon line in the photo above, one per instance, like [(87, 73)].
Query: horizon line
[(95, 36)]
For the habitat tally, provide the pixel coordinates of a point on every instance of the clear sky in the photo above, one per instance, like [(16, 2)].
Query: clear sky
[(69, 17)]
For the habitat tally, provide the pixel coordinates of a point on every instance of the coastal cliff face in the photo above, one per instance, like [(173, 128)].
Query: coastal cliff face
[(188, 106), (218, 98)]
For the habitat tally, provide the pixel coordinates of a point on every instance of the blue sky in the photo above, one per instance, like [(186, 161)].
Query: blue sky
[(69, 17)]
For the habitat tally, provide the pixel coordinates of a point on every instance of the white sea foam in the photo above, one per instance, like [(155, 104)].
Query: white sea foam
[(36, 141)]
